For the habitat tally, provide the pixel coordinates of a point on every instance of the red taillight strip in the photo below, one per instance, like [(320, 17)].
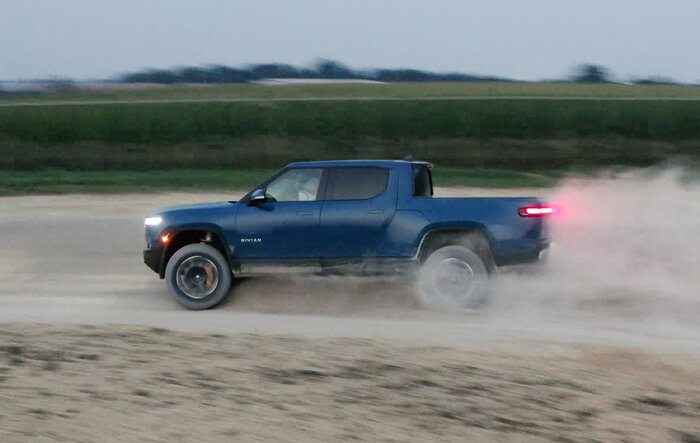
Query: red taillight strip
[(537, 211)]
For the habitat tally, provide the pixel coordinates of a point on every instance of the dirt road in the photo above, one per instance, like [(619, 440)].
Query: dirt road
[(553, 357), (77, 259)]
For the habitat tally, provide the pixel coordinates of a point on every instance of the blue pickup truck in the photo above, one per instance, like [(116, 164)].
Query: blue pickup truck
[(346, 217)]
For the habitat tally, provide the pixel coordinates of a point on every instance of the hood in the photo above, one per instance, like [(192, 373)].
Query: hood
[(194, 207), (194, 214)]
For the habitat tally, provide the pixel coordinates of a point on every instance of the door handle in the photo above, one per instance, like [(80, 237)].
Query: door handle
[(375, 211), (305, 213)]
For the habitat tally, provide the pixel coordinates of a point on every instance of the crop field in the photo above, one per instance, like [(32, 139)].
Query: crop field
[(466, 126), (350, 120)]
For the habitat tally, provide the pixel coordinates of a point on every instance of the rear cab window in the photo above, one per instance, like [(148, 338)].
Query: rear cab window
[(358, 183), (422, 181)]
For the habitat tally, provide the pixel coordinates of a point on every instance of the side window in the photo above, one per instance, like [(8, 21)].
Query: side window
[(422, 184), (359, 183), (295, 185)]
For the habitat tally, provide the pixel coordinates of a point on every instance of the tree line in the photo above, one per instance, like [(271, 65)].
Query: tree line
[(329, 69), (324, 69)]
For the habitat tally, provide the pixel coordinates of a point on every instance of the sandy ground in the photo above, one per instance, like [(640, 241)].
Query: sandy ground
[(138, 384), (335, 359)]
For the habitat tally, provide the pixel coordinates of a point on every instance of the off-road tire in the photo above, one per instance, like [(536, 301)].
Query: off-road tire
[(192, 255), (453, 278)]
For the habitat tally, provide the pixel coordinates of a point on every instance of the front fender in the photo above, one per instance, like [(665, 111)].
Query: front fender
[(215, 231)]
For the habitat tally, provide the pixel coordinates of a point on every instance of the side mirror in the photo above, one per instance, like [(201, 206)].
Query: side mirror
[(257, 197)]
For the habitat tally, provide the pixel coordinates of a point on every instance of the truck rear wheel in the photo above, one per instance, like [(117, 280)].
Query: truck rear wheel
[(453, 277), (198, 276)]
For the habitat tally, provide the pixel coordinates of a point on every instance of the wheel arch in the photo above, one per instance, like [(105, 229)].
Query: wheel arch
[(474, 236), (181, 237)]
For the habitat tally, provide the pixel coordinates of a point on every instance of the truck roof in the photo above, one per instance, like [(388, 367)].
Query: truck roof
[(331, 163)]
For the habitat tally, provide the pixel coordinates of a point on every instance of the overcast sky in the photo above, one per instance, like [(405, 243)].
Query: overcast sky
[(524, 39)]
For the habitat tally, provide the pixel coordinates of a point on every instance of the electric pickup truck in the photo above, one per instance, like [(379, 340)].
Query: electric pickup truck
[(359, 217)]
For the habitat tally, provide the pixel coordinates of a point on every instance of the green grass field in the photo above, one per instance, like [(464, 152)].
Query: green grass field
[(57, 181)]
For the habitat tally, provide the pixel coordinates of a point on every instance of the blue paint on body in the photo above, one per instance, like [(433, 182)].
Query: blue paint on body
[(390, 225)]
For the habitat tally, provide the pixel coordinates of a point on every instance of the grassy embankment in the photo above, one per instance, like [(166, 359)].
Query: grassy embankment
[(57, 181), (503, 142)]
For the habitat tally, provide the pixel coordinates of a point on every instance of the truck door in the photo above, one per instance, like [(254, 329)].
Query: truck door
[(287, 225), (360, 203)]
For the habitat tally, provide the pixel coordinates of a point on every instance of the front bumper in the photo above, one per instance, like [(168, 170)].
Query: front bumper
[(153, 257)]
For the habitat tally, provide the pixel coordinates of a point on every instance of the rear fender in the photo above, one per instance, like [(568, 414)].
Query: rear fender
[(471, 235)]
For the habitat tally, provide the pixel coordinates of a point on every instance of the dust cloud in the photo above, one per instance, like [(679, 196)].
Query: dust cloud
[(625, 246), (386, 297)]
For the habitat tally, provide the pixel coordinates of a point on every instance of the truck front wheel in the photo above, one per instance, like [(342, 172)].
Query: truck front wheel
[(453, 277), (198, 276)]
